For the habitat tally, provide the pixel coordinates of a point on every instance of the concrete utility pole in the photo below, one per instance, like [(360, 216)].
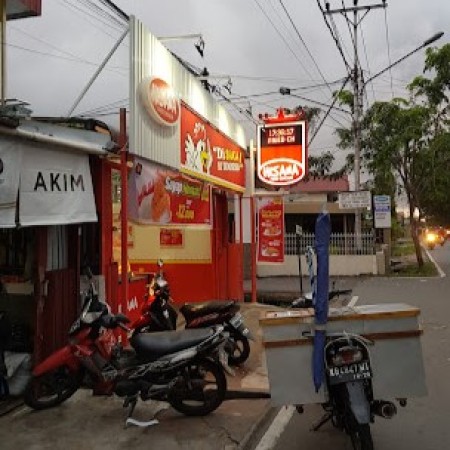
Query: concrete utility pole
[(358, 86)]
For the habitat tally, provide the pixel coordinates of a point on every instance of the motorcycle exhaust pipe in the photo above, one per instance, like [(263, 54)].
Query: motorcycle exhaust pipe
[(387, 410)]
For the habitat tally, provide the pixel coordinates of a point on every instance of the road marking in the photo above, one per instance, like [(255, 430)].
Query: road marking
[(353, 301), (442, 274), (276, 428)]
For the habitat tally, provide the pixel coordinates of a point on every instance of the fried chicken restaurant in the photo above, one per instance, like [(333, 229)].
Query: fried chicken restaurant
[(186, 166)]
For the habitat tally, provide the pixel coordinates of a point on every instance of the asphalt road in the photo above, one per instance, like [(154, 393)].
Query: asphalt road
[(424, 423)]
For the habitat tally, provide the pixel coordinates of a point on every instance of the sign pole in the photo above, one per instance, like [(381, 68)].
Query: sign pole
[(298, 233)]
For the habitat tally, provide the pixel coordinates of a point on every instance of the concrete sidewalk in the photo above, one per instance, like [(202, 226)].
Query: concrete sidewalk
[(87, 422)]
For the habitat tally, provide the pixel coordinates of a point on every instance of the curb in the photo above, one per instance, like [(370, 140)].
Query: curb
[(257, 430)]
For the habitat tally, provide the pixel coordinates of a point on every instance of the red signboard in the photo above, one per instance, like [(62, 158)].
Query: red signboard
[(161, 196), (281, 153), (209, 155), (171, 237), (271, 230), (160, 101), (20, 9)]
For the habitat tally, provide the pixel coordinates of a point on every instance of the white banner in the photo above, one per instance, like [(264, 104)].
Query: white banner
[(10, 162), (55, 188), (382, 211)]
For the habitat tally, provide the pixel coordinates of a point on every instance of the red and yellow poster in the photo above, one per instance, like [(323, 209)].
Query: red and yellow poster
[(157, 195), (270, 230), (208, 154), (171, 237)]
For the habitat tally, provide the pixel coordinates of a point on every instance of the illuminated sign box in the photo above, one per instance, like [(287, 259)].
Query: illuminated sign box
[(281, 153)]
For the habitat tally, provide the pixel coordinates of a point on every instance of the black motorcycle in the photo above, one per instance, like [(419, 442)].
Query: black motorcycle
[(158, 314), (348, 375)]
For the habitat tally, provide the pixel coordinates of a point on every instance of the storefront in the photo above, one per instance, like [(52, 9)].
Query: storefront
[(187, 165), (48, 221)]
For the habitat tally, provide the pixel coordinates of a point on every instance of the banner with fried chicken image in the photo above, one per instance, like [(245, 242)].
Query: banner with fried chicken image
[(157, 195), (270, 230)]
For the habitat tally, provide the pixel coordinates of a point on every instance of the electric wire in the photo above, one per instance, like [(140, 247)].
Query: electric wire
[(297, 31), (368, 65), (347, 65), (294, 54), (67, 58), (388, 48), (70, 56)]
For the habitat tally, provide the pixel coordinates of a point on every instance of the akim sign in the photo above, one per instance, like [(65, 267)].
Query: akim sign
[(281, 152)]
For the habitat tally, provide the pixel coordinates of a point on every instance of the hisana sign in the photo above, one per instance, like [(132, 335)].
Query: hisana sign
[(281, 153)]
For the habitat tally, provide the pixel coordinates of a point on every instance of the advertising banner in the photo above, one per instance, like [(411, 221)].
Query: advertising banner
[(55, 188), (208, 154), (270, 230), (171, 237), (157, 195), (281, 153)]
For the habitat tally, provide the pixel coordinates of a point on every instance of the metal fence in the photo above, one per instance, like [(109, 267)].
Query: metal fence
[(340, 243)]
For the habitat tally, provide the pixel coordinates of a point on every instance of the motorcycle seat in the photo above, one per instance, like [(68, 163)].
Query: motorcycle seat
[(154, 345), (193, 310)]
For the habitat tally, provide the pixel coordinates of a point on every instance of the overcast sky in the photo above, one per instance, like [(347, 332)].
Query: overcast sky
[(51, 58)]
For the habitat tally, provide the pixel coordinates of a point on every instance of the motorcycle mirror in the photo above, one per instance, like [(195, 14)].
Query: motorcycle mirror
[(160, 262)]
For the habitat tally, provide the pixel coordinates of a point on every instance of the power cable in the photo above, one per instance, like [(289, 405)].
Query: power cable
[(328, 111), (388, 48), (368, 65), (304, 44), (73, 56), (38, 52), (284, 40), (336, 41)]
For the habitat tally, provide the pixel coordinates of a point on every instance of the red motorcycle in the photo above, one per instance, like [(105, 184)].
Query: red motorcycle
[(179, 367), (158, 314)]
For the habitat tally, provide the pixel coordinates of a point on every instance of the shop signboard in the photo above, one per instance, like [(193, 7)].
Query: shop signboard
[(270, 230), (20, 9), (208, 154), (354, 200), (159, 85), (382, 211), (157, 195), (281, 152)]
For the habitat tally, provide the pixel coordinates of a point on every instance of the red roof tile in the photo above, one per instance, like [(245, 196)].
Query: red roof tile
[(320, 184)]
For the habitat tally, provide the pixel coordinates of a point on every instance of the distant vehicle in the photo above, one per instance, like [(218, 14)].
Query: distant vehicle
[(433, 237)]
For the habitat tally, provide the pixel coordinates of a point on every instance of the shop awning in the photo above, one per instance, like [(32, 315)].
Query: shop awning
[(42, 184)]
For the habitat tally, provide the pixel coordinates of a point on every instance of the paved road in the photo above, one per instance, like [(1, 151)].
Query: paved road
[(424, 423)]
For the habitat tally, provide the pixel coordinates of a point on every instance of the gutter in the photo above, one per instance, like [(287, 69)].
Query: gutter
[(52, 140)]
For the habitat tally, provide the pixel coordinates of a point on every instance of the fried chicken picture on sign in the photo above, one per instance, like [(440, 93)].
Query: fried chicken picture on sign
[(160, 207)]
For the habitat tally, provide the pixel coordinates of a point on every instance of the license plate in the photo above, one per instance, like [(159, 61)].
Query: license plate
[(237, 320), (352, 372)]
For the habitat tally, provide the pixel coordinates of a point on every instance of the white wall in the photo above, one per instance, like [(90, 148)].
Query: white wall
[(340, 265)]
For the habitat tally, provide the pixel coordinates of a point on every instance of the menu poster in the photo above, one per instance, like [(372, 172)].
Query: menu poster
[(270, 230), (160, 196), (171, 237)]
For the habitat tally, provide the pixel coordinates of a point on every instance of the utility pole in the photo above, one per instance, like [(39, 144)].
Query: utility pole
[(357, 91)]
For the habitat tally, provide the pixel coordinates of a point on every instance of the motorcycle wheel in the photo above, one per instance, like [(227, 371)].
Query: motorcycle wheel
[(360, 435), (50, 389), (239, 349), (202, 389)]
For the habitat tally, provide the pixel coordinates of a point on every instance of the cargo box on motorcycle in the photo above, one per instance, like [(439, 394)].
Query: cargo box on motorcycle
[(396, 361)]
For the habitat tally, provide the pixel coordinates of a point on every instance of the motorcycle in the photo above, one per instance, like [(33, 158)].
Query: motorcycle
[(179, 367), (348, 374), (158, 314)]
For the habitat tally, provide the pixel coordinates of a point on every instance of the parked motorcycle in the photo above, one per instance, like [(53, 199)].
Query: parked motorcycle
[(158, 314), (348, 373), (179, 367)]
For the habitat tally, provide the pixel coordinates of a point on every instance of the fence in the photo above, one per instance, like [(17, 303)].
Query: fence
[(340, 243)]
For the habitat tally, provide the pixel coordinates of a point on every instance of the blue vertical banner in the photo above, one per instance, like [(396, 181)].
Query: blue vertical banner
[(322, 246)]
